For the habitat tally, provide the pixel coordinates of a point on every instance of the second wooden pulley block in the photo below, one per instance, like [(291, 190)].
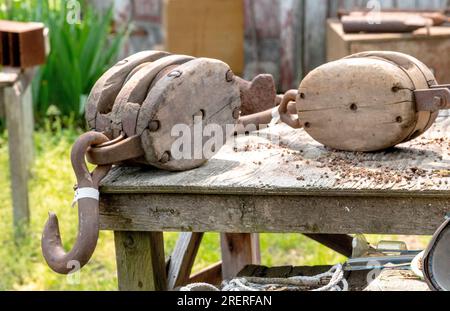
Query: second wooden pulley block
[(365, 102)]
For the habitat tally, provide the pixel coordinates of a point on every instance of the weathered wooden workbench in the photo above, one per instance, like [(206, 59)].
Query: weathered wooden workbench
[(259, 185)]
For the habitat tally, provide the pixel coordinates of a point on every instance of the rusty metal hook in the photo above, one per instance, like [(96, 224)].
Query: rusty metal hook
[(88, 213), (285, 110)]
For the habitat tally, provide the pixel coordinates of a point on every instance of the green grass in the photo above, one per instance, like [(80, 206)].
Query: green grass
[(22, 266)]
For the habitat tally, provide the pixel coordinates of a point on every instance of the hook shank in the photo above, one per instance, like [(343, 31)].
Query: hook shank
[(88, 213)]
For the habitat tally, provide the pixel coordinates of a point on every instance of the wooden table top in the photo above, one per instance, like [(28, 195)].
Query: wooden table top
[(296, 186), (301, 166)]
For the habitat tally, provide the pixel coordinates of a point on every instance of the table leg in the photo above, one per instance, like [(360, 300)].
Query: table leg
[(182, 259), (140, 261), (238, 250), (340, 243)]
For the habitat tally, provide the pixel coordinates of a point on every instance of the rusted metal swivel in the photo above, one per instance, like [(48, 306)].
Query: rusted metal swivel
[(88, 213)]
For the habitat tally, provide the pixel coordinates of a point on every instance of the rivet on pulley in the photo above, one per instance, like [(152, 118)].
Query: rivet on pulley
[(175, 74), (230, 76), (165, 157), (154, 125)]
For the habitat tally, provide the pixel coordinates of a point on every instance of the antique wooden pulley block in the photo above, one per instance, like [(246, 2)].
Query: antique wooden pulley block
[(365, 102), (145, 96), (369, 101)]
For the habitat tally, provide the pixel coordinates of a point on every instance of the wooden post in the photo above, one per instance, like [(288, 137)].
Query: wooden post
[(140, 261), (238, 250), (18, 109), (182, 259)]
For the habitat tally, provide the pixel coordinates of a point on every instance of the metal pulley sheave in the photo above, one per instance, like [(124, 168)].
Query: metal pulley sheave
[(132, 111)]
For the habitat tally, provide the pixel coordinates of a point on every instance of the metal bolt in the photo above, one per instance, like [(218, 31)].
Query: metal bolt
[(165, 157), (229, 76), (175, 74), (438, 101), (236, 113), (129, 242), (154, 125)]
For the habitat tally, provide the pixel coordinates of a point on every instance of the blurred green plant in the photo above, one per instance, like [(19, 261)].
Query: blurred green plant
[(81, 50)]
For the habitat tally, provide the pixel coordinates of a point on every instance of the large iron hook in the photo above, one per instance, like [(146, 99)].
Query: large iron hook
[(88, 213)]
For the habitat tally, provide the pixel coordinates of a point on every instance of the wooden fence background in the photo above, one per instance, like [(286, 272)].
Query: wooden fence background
[(286, 38)]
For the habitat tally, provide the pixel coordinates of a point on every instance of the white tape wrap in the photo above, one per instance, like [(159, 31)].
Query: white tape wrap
[(275, 116), (85, 193)]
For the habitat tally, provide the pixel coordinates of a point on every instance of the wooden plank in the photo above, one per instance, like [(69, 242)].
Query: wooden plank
[(333, 7), (28, 127), (182, 259), (314, 33), (340, 243), (206, 28), (289, 23), (282, 161), (337, 47), (299, 9), (211, 275), (20, 148), (279, 272), (238, 250), (274, 214), (140, 261)]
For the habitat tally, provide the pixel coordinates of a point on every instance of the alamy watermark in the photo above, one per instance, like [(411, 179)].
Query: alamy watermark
[(73, 15), (374, 14)]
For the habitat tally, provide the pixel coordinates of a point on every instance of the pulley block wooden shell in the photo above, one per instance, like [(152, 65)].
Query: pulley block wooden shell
[(159, 97), (365, 102)]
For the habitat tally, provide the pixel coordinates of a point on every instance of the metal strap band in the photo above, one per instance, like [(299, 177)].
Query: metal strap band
[(85, 193)]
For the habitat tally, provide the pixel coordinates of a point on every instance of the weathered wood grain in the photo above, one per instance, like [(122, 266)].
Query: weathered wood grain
[(295, 186), (182, 259), (238, 250), (140, 261), (212, 101), (282, 161), (419, 44), (314, 31), (210, 275), (274, 214), (340, 243), (17, 102)]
